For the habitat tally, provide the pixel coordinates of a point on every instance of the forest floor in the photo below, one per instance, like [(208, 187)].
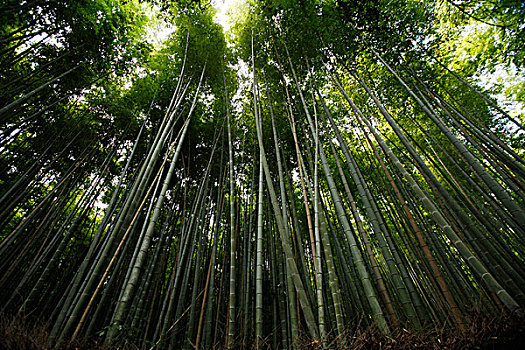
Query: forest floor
[(482, 333)]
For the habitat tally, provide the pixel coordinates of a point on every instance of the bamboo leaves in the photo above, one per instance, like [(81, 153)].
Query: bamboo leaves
[(260, 204)]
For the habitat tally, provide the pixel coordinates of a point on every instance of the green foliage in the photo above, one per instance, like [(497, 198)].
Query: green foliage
[(434, 170)]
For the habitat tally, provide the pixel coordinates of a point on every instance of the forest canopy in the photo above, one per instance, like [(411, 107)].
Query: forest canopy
[(310, 172)]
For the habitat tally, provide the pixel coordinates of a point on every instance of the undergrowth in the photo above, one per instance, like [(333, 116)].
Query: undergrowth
[(482, 333)]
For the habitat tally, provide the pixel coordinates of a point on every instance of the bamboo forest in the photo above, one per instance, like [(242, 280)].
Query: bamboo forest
[(279, 174)]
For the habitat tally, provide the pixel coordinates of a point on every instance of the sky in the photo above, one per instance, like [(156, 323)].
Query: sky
[(222, 7), (159, 30)]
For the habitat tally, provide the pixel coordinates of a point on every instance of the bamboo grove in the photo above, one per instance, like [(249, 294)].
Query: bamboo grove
[(324, 171)]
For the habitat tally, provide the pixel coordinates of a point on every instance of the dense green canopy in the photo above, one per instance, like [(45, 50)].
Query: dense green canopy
[(321, 168)]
